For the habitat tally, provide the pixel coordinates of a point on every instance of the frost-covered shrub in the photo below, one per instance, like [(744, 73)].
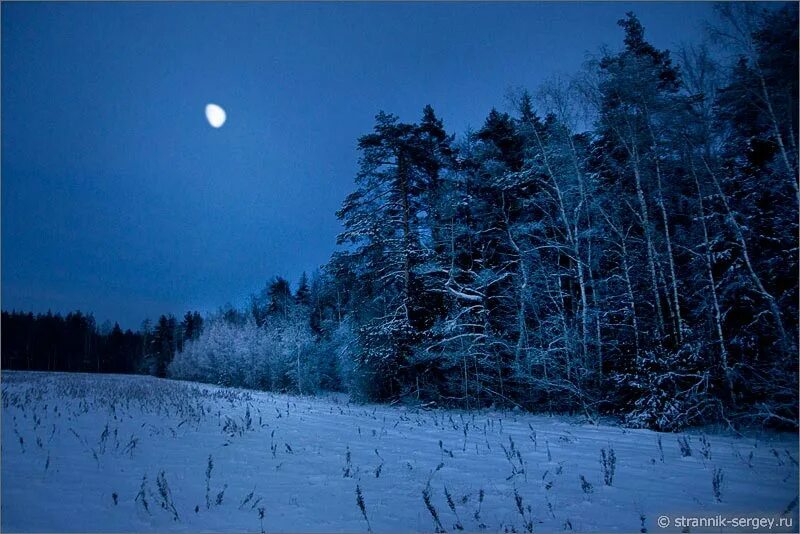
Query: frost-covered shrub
[(333, 357), (670, 389), (345, 349), (225, 354), (278, 356), (384, 363), (289, 348)]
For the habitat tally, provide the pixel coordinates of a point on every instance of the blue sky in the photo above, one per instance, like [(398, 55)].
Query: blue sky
[(117, 196)]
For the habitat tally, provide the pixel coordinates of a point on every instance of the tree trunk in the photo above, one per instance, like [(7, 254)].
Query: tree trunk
[(676, 305), (645, 221), (723, 351), (402, 176)]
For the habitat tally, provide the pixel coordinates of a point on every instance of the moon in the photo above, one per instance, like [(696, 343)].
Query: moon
[(216, 115)]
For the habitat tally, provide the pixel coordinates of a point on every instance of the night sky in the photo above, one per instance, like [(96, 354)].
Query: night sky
[(118, 198)]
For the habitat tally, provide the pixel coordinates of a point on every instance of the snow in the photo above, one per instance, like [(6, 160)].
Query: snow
[(61, 468)]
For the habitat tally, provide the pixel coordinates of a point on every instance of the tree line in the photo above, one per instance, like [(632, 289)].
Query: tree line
[(74, 342), (622, 242), (645, 266)]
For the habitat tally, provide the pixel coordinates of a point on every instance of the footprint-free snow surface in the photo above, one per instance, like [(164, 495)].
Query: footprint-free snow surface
[(131, 453)]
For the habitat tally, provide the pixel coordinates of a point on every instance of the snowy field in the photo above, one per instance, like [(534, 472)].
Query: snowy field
[(132, 453)]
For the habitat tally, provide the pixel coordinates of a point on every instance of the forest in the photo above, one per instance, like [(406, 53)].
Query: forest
[(620, 242)]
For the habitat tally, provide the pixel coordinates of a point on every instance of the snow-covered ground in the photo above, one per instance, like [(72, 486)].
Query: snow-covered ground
[(131, 453)]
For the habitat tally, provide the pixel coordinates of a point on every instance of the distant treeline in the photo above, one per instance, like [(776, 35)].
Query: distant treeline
[(73, 342)]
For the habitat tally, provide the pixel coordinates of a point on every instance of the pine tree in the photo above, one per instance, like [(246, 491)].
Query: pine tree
[(303, 294), (163, 344), (280, 297)]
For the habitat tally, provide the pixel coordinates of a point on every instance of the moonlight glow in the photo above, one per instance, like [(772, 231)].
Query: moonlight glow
[(215, 115)]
